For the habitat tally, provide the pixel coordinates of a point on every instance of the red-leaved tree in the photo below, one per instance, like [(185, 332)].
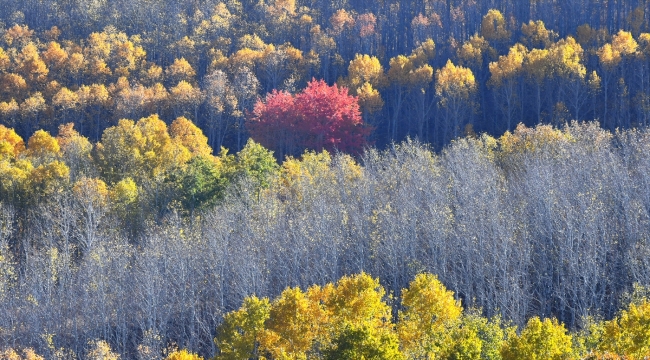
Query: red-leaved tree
[(320, 117)]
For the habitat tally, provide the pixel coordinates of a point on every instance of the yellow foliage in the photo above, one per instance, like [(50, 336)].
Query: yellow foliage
[(142, 150), (540, 340), (43, 146), (101, 350), (65, 99), (185, 93), (180, 70), (509, 66), (159, 152), (77, 62), (98, 45), (18, 33), (351, 169), (183, 355), (53, 33), (30, 65), (400, 69), (413, 72), (471, 53), (525, 139), (97, 68), (71, 141), (10, 143), (49, 178), (594, 82), (124, 193), (365, 69), (245, 57), (154, 73), (55, 56), (341, 20), (629, 333), (493, 26), (190, 136), (369, 99), (455, 82), (624, 43), (357, 301), (253, 42), (13, 84), (295, 322), (28, 354), (313, 168), (91, 191), (5, 61), (221, 16), (33, 105), (608, 56), (538, 65), (240, 330), (430, 312), (14, 178), (535, 34), (424, 53), (119, 151), (566, 57), (9, 109)]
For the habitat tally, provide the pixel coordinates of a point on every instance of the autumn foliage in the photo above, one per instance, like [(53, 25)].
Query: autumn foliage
[(320, 117)]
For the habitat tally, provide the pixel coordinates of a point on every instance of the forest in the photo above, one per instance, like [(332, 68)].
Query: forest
[(350, 179), (429, 69)]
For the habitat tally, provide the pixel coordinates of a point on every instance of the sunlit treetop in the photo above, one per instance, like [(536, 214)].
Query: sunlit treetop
[(10, 143), (493, 26)]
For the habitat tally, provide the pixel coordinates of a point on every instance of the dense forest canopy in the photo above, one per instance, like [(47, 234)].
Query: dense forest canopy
[(498, 149), (429, 69)]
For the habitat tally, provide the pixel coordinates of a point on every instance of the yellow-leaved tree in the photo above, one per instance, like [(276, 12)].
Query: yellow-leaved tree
[(429, 316), (238, 336), (540, 340), (141, 151), (10, 143), (296, 321), (14, 171), (411, 75), (506, 78), (628, 334), (183, 355), (365, 77), (455, 87), (360, 326)]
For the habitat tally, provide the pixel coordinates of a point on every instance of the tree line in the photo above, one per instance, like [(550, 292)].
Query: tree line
[(146, 239)]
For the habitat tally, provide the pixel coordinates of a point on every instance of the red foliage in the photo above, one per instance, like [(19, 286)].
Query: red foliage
[(320, 117)]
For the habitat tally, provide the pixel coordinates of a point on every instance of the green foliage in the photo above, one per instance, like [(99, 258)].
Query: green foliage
[(200, 184), (363, 343), (237, 337), (257, 164), (478, 337)]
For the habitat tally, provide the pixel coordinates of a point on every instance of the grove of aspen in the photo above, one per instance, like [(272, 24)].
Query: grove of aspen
[(348, 179)]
